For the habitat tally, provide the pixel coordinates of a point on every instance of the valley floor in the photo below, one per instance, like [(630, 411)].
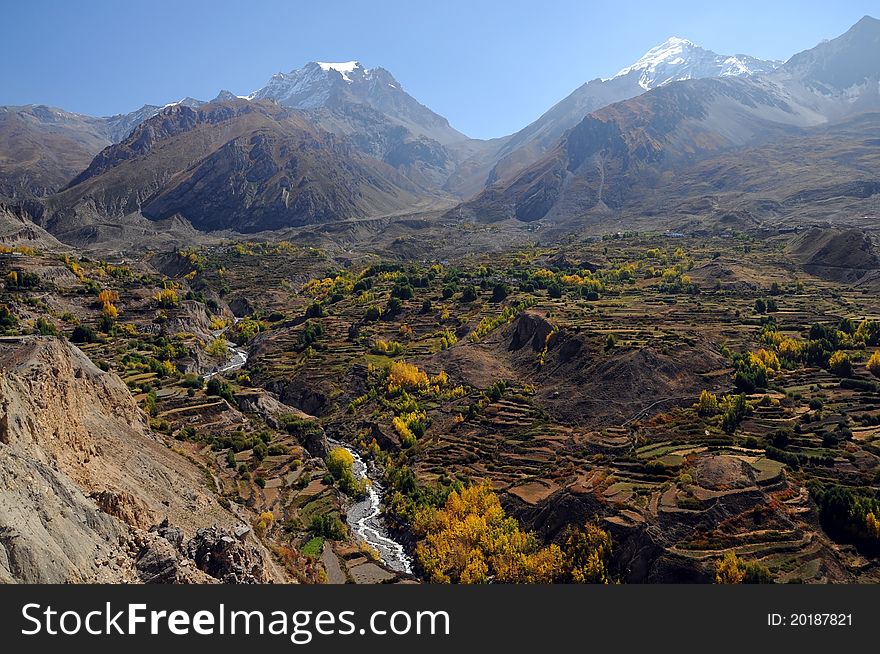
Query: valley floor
[(696, 398)]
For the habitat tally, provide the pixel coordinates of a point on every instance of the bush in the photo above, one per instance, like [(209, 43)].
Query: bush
[(220, 388), (402, 291), (315, 310), (45, 328), (83, 334), (372, 314), (469, 294), (394, 307), (8, 320), (500, 292)]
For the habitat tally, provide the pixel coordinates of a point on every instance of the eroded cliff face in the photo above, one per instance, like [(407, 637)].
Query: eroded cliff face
[(84, 483)]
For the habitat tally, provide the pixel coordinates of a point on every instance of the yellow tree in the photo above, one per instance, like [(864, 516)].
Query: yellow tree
[(874, 363), (588, 554), (728, 570), (707, 404), (471, 540)]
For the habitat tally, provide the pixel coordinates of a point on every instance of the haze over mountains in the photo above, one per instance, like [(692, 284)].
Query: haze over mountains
[(340, 141)]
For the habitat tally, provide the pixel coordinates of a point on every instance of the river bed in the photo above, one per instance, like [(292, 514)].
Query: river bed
[(366, 521)]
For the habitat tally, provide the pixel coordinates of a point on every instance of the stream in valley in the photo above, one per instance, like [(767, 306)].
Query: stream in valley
[(236, 359), (364, 517), (367, 523)]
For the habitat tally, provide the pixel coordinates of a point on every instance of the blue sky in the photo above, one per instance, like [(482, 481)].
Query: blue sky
[(490, 67)]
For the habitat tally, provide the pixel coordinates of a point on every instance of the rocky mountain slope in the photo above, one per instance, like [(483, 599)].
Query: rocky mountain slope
[(88, 493), (243, 165)]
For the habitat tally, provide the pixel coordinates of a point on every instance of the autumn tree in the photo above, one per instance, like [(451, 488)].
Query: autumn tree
[(471, 540), (732, 570), (587, 555), (219, 347), (707, 405), (405, 376), (340, 463), (166, 298), (840, 364), (728, 570), (874, 364)]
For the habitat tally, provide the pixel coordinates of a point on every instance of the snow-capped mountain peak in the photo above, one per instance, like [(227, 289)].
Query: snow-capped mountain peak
[(315, 83), (346, 68), (679, 59)]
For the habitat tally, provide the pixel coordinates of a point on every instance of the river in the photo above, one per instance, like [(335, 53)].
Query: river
[(237, 356), (366, 521), (364, 517)]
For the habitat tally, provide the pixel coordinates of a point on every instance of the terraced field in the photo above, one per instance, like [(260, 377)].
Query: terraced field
[(699, 396)]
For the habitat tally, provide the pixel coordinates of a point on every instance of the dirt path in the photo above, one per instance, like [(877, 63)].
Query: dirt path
[(335, 575)]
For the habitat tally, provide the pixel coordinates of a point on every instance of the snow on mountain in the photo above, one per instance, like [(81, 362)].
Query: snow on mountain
[(313, 85), (345, 69), (679, 59)]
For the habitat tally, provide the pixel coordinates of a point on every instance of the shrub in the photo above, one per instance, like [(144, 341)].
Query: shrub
[(83, 334), (402, 291), (469, 294), (218, 387), (388, 348), (8, 320), (500, 292), (45, 328), (394, 307), (315, 310)]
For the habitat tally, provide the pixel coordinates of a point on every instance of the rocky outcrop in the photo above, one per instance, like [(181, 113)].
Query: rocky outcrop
[(82, 477), (304, 427), (530, 329), (220, 554)]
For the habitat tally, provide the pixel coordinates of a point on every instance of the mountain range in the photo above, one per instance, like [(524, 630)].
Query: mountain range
[(340, 141), (618, 156)]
